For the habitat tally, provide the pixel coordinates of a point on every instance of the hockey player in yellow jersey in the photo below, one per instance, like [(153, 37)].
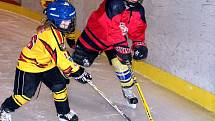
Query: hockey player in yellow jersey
[(42, 60)]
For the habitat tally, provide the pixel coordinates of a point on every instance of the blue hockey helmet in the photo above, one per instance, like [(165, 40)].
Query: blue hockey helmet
[(60, 11)]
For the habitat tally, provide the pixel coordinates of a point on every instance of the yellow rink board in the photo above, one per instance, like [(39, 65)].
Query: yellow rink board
[(158, 76), (177, 85), (21, 10)]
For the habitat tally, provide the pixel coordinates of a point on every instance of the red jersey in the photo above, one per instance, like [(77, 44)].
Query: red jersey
[(103, 27)]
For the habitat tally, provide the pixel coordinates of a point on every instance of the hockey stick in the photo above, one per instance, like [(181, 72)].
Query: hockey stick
[(111, 103), (148, 112), (145, 105)]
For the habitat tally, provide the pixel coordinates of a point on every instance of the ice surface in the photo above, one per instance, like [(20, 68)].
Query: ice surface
[(16, 31)]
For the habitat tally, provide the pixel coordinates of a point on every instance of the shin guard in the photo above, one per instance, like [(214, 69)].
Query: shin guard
[(14, 102), (20, 99), (123, 73), (61, 100)]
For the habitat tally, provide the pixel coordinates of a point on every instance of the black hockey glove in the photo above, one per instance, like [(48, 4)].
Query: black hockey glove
[(124, 54), (140, 52), (70, 42), (82, 76)]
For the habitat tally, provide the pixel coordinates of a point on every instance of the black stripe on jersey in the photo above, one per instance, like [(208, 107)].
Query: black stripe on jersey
[(97, 38), (121, 42), (89, 41), (56, 38)]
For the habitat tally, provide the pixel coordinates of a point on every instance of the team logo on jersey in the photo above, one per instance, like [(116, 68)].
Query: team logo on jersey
[(32, 41), (123, 28)]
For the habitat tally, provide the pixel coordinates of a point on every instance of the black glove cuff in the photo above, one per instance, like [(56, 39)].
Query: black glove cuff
[(78, 73), (70, 42)]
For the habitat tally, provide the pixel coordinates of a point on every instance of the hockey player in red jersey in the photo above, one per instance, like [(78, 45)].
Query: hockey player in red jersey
[(43, 60), (106, 31)]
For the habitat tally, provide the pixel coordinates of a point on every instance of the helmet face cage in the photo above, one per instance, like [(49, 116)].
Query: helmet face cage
[(60, 11), (68, 29), (71, 27)]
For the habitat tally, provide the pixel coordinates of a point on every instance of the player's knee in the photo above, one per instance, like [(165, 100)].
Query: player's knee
[(59, 92), (118, 66), (58, 87), (111, 54), (83, 57), (20, 99), (81, 60)]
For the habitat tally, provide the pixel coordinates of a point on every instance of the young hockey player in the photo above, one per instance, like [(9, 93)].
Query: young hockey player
[(43, 59), (72, 36), (106, 31)]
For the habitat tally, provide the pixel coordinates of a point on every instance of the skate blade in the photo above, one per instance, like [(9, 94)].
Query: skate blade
[(132, 106)]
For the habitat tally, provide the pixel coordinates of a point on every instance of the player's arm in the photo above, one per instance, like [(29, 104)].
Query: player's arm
[(60, 57), (70, 68), (136, 33), (117, 31), (114, 9)]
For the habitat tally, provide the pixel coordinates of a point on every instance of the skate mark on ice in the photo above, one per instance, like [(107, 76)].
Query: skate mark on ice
[(97, 117)]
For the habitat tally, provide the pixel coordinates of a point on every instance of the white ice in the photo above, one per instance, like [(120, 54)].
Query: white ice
[(16, 31)]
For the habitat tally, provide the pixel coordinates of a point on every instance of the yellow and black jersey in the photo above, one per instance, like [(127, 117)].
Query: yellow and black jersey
[(46, 50)]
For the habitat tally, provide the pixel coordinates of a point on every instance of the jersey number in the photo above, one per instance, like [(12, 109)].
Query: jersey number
[(32, 42)]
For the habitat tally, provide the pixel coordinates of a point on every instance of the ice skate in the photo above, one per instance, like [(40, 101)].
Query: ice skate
[(71, 116), (130, 97), (5, 115)]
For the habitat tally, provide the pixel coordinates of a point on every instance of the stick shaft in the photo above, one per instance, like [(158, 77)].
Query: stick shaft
[(111, 103), (145, 105), (148, 112)]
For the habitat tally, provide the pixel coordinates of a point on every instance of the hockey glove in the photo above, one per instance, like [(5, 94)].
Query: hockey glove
[(124, 54), (82, 76), (70, 42), (140, 52)]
